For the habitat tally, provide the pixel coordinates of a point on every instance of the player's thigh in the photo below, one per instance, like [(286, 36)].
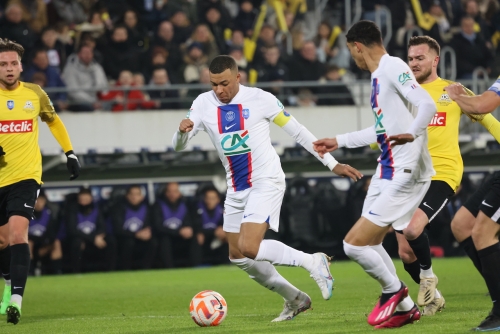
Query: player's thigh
[(4, 236), (364, 232), (234, 206), (462, 224), (486, 227), (264, 206)]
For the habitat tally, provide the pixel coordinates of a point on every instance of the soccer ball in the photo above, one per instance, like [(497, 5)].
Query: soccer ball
[(208, 308)]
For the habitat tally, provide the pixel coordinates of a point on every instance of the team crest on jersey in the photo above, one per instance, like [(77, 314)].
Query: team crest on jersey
[(404, 78), (280, 104), (28, 106), (230, 116), (444, 100), (246, 113), (235, 143), (10, 104)]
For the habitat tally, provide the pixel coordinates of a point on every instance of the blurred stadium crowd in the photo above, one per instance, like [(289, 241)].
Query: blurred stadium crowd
[(90, 232), (123, 54)]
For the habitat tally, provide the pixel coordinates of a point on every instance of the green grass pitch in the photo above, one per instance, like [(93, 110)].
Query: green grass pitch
[(158, 301)]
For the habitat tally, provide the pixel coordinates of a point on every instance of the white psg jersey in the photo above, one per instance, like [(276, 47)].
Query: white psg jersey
[(240, 133), (391, 83)]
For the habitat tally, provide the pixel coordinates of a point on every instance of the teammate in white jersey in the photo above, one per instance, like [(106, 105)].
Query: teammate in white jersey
[(403, 174), (237, 120), (480, 215)]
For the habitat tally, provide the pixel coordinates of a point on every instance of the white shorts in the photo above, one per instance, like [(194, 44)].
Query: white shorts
[(393, 202), (259, 204)]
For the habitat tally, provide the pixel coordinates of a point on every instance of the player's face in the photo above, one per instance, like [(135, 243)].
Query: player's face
[(225, 85), (423, 61), (357, 55), (10, 69)]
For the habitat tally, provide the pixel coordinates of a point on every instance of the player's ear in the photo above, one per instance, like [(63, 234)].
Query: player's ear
[(436, 60), (238, 76)]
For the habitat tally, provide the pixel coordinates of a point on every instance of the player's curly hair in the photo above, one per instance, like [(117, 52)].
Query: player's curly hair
[(7, 45), (431, 42), (221, 63), (366, 33)]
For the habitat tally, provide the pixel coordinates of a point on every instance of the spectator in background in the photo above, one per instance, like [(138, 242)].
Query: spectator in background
[(341, 94), (174, 227), (88, 40), (182, 27), (56, 50), (237, 39), (131, 220), (34, 13), (245, 19), (322, 42), (39, 79), (83, 75), (95, 27), (164, 98), (195, 60), (243, 77), (306, 66), (40, 63), (136, 33), (119, 54), (266, 39), (472, 50), (42, 235), (217, 27), (210, 234), (273, 69), (165, 39), (203, 35), (71, 12), (15, 28), (135, 98), (86, 231), (237, 53), (471, 8), (203, 6), (194, 92), (161, 58)]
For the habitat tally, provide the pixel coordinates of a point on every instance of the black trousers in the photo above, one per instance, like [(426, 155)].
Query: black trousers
[(179, 252), (92, 258), (134, 253)]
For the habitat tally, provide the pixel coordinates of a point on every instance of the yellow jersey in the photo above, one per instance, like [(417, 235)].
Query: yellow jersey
[(443, 133), (19, 112)]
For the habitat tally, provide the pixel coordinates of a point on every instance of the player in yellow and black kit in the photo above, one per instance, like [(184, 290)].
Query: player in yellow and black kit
[(443, 131), (21, 169)]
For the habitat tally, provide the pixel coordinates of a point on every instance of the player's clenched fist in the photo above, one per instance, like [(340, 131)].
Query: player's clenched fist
[(186, 125), (325, 145)]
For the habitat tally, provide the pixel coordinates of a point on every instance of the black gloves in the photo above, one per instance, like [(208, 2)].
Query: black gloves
[(73, 165), (1, 151)]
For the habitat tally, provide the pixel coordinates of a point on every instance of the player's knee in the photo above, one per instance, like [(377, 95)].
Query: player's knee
[(412, 233), (478, 235), (248, 249), (460, 229), (353, 252)]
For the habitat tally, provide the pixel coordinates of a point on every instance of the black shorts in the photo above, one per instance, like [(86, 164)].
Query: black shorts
[(18, 199), (436, 198), (486, 198)]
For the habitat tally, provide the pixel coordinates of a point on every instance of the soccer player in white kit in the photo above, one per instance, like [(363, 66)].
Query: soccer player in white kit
[(403, 174), (237, 120)]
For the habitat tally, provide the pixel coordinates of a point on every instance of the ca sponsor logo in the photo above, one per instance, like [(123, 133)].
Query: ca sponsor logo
[(439, 119), (235, 143), (404, 78), (20, 126)]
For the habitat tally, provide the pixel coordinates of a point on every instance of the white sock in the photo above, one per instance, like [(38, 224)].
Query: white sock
[(386, 258), (437, 294), (405, 305), (280, 254), (266, 275), (374, 266), (7, 282), (18, 299), (426, 273)]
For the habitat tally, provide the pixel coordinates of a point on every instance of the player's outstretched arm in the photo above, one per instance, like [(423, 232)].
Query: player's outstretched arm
[(60, 133), (478, 104)]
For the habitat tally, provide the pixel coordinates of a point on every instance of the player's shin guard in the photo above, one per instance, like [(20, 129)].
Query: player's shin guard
[(374, 266), (490, 260), (280, 254), (470, 249), (266, 275), (5, 258), (19, 268), (414, 270)]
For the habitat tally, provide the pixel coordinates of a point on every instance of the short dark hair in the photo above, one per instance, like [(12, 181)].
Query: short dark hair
[(365, 32), (7, 45), (431, 42), (37, 51), (85, 191), (134, 186), (221, 63)]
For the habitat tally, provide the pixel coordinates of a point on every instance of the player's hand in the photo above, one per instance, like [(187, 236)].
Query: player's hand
[(400, 139), (325, 145), (346, 170), (1, 151), (186, 232), (455, 90), (73, 165), (186, 125)]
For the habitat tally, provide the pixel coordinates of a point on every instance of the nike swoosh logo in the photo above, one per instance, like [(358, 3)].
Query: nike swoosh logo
[(484, 203), (229, 127), (425, 204), (370, 212), (27, 206), (17, 287), (220, 304), (247, 215)]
